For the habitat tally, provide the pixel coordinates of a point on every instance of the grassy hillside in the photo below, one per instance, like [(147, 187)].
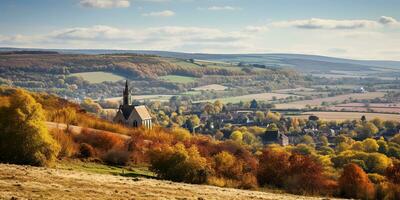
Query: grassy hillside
[(25, 182)]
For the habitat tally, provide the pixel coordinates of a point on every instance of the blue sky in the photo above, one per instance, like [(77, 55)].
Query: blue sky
[(363, 29)]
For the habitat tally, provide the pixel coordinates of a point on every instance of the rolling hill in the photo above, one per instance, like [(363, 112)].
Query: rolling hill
[(296, 61)]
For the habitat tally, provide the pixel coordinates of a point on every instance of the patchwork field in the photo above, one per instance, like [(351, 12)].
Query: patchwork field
[(178, 79), (361, 107), (25, 182), (215, 87), (98, 77), (340, 116), (337, 99), (142, 98), (259, 97), (292, 90)]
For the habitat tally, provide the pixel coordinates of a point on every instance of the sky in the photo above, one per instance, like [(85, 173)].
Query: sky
[(358, 29)]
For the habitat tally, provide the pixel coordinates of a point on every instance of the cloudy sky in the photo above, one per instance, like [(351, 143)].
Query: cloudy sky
[(362, 29)]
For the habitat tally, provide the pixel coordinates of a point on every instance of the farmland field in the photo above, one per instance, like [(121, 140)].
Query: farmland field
[(98, 77), (178, 79), (336, 99), (215, 87), (361, 107), (340, 116), (258, 97), (142, 98)]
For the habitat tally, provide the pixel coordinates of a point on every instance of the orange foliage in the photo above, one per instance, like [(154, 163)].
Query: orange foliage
[(393, 173), (66, 142), (297, 173), (102, 141), (354, 183)]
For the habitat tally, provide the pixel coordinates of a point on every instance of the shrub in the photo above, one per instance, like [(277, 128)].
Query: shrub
[(86, 151), (296, 173), (102, 141), (274, 165), (116, 157), (354, 183), (393, 173), (226, 165), (179, 164), (24, 138), (388, 191), (65, 140), (248, 181)]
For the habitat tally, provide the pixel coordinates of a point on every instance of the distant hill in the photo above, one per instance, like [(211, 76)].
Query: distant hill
[(307, 63)]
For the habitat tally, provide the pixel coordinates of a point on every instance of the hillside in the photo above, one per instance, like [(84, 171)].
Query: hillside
[(25, 182)]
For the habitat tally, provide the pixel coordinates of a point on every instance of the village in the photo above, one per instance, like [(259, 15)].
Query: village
[(274, 126)]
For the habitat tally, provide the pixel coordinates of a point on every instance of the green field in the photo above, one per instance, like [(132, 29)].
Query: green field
[(180, 62), (98, 77), (178, 79)]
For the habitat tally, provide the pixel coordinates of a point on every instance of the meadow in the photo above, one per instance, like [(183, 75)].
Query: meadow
[(341, 116), (98, 77), (215, 87), (336, 99), (26, 182), (178, 79), (268, 96)]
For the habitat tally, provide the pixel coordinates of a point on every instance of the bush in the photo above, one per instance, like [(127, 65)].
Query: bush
[(116, 157), (388, 191), (296, 173), (248, 181), (179, 164), (86, 151), (393, 173), (65, 140), (24, 138), (354, 183), (273, 167), (102, 141)]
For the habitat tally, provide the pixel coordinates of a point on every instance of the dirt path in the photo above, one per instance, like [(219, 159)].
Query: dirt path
[(25, 182)]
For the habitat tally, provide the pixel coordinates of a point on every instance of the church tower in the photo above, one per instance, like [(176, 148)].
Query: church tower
[(126, 95)]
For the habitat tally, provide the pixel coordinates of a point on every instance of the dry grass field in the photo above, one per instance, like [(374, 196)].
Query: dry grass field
[(215, 87), (25, 182), (340, 98), (361, 107), (340, 116), (142, 98), (268, 96)]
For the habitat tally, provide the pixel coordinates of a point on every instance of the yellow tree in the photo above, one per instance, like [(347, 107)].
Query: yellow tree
[(24, 138)]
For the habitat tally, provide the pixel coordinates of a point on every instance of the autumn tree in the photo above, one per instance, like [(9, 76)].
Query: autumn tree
[(179, 164), (24, 138), (354, 183)]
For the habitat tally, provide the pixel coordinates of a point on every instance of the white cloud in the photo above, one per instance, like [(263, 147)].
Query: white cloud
[(174, 38), (317, 23), (165, 13), (256, 29), (388, 21), (220, 8), (105, 3)]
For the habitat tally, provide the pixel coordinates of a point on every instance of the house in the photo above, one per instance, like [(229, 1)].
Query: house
[(275, 137), (132, 115)]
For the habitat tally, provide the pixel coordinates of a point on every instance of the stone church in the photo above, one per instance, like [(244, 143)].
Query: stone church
[(132, 115)]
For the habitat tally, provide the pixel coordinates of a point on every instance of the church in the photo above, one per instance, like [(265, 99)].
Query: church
[(132, 115)]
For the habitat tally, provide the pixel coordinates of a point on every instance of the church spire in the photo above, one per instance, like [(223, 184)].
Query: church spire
[(126, 95)]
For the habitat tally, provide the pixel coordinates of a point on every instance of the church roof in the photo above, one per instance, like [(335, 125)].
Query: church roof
[(127, 110), (143, 112)]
